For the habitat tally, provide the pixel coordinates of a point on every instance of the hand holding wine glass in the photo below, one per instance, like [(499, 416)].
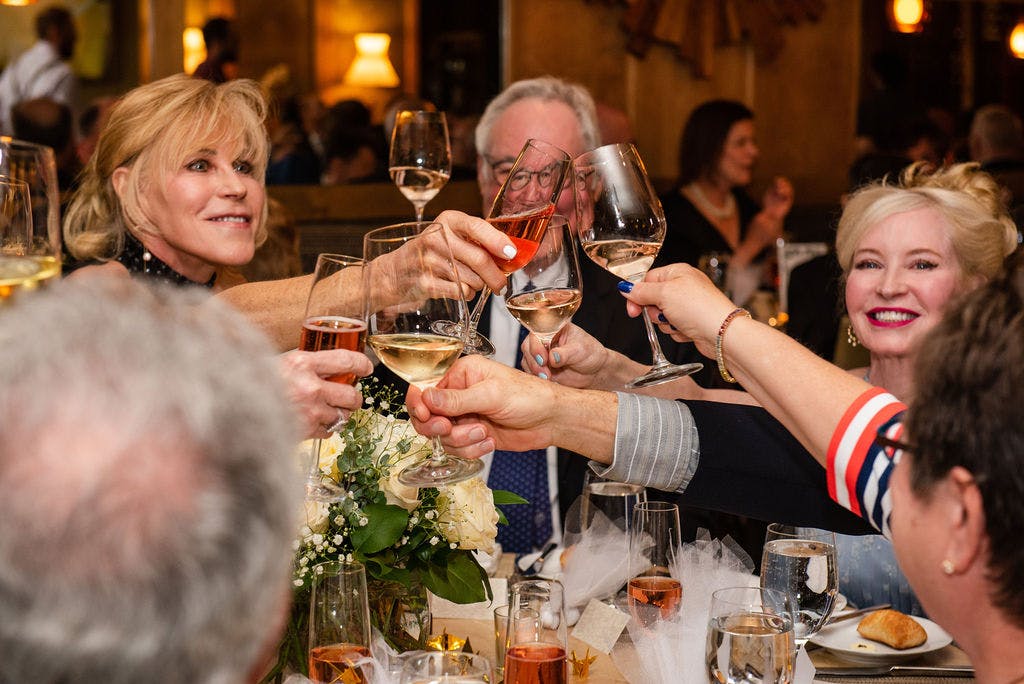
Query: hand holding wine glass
[(522, 208), (800, 562), (421, 158), (621, 227), (332, 321), (652, 592), (409, 332), (545, 293)]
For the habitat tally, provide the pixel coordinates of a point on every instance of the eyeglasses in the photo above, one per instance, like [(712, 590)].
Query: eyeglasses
[(502, 168), (894, 444)]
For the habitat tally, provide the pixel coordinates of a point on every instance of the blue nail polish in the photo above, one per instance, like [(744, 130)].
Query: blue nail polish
[(542, 376), (557, 357), (625, 286), (661, 317), (539, 359)]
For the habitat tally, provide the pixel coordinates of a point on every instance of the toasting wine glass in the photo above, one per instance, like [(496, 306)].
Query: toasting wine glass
[(545, 293), (421, 156), (447, 667), (535, 650), (750, 637), (621, 228), (653, 593), (412, 285), (22, 269), (522, 208), (339, 623), (801, 563), (333, 320)]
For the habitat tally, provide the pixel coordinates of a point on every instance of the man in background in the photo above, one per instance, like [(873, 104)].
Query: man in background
[(221, 63), (48, 122), (147, 496), (996, 141), (42, 70)]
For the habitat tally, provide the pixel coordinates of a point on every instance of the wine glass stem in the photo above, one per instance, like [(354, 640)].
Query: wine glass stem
[(657, 356), (420, 206), (313, 475), (438, 455), (478, 310)]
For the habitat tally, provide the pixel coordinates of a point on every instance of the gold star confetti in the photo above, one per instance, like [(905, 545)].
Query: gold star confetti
[(581, 666), (446, 642)]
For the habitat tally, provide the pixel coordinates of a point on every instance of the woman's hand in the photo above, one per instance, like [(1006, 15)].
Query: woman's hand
[(767, 226), (778, 199), (475, 245), (683, 303), (319, 402), (577, 359)]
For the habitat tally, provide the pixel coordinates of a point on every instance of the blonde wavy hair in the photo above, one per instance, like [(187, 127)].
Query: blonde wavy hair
[(152, 131), (970, 201)]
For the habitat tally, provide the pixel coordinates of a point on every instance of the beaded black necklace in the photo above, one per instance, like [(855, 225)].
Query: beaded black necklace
[(139, 260)]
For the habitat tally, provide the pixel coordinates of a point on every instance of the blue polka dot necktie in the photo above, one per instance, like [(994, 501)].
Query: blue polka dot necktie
[(526, 474)]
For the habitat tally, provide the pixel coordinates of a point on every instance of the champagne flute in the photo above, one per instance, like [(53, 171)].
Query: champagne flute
[(535, 650), (339, 623), (801, 563), (621, 227), (333, 320), (617, 501), (447, 667), (545, 293), (750, 637), (412, 285), (521, 209), (421, 156), (653, 594)]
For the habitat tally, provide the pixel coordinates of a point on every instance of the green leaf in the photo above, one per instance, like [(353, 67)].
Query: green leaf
[(502, 497), (460, 579), (385, 527)]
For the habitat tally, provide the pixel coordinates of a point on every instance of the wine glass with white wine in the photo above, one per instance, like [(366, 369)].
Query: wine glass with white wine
[(412, 285), (420, 162), (25, 265), (621, 227)]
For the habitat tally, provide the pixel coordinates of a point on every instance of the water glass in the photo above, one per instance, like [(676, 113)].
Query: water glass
[(339, 623), (801, 563), (750, 637), (615, 500), (446, 667)]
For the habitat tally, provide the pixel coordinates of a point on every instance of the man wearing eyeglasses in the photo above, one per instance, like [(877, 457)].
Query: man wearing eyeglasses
[(561, 114)]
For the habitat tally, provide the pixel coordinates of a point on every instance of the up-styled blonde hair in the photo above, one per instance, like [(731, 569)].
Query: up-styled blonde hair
[(151, 131), (981, 231)]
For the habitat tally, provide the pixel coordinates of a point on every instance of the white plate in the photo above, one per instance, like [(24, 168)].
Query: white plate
[(843, 640)]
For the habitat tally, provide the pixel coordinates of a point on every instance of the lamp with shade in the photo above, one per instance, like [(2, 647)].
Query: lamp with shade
[(371, 68)]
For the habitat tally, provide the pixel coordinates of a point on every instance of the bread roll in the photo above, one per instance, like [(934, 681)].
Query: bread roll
[(892, 628)]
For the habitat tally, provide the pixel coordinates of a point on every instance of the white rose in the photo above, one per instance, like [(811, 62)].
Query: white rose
[(467, 515), (316, 516), (389, 432)]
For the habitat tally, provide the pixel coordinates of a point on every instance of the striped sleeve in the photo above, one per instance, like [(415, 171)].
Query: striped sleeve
[(656, 444), (858, 469)]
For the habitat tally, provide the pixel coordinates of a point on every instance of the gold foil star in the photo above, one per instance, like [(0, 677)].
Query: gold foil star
[(581, 666), (446, 642)]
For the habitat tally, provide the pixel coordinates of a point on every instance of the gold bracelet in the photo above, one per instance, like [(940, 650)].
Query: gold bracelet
[(722, 370)]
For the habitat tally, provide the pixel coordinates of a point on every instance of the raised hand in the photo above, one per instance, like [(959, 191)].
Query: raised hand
[(319, 402)]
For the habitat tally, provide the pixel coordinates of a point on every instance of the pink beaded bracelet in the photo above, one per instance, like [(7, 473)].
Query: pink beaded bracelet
[(722, 370)]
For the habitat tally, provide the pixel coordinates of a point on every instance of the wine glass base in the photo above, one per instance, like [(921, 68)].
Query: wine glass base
[(440, 471), (475, 344), (666, 373), (323, 493)]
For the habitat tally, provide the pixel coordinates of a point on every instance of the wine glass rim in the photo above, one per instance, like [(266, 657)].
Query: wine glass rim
[(401, 232), (783, 530), (654, 506), (345, 259), (606, 153), (747, 595)]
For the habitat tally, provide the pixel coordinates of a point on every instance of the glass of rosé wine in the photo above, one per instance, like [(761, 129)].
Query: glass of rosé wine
[(521, 209), (420, 161), (535, 649), (652, 593), (333, 320), (339, 623), (621, 227), (545, 293), (411, 287)]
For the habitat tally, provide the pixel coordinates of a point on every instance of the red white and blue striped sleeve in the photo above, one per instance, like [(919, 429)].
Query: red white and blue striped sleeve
[(858, 468)]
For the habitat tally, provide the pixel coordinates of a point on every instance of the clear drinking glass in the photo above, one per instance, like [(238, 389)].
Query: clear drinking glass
[(421, 156), (750, 637), (35, 165), (522, 209), (653, 594), (412, 289), (21, 269), (545, 293), (447, 667), (801, 563), (333, 320), (615, 500), (339, 623), (536, 647), (621, 227)]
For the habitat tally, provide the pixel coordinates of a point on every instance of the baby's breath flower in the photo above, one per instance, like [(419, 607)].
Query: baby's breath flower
[(434, 540)]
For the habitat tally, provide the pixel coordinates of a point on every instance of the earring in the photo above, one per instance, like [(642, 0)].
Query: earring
[(947, 567), (851, 337)]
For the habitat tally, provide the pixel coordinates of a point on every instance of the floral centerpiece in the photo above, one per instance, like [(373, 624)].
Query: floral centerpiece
[(409, 540)]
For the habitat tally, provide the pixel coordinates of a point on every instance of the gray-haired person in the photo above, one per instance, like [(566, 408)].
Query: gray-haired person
[(147, 497)]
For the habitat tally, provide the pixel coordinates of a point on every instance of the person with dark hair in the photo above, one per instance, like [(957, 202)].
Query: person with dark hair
[(354, 149), (709, 211), (42, 70), (48, 122), (221, 60)]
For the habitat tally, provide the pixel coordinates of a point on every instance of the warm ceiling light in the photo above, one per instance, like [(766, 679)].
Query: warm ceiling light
[(907, 16), (194, 49), (371, 67), (1017, 40), (17, 3)]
